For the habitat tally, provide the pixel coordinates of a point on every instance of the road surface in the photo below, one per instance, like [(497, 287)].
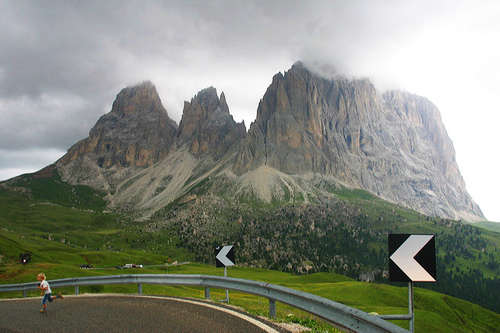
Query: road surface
[(122, 314)]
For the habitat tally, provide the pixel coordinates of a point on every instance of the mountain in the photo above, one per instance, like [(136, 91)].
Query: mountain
[(309, 130), (207, 127), (393, 145), (135, 134)]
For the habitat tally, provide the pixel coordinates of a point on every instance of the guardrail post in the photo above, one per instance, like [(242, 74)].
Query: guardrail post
[(24, 292), (272, 308), (139, 288), (77, 290), (207, 293)]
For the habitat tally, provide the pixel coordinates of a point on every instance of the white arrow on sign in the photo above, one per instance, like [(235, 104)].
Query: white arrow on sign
[(221, 256), (404, 258)]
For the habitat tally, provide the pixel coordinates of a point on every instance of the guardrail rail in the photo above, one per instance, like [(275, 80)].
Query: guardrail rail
[(338, 314)]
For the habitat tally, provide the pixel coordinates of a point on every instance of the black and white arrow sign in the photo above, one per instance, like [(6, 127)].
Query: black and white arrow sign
[(412, 258), (224, 256)]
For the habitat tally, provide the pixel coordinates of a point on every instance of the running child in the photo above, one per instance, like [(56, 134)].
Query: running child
[(46, 292)]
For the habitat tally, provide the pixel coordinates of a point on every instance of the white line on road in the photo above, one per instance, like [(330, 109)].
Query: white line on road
[(220, 308)]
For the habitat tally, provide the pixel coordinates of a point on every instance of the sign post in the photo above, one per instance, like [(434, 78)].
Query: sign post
[(224, 256), (412, 258), (227, 291)]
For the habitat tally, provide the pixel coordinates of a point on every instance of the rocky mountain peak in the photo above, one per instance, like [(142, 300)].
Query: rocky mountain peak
[(137, 108), (207, 125), (141, 98), (223, 104), (136, 133), (207, 99), (393, 145)]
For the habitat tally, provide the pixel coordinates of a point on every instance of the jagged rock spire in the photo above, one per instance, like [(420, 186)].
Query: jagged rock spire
[(136, 132), (207, 126)]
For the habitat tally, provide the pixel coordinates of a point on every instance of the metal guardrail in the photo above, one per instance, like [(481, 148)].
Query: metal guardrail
[(336, 313)]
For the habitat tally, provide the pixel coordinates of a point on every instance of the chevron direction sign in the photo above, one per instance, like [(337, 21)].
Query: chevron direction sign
[(412, 258), (224, 256)]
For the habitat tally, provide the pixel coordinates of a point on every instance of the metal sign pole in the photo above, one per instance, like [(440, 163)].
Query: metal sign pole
[(410, 306), (227, 291), (224, 256)]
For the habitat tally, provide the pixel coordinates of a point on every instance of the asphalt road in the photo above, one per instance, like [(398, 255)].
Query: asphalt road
[(118, 314)]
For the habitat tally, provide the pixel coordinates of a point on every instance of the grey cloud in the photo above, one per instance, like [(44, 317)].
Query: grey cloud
[(28, 159), (46, 122), (91, 46)]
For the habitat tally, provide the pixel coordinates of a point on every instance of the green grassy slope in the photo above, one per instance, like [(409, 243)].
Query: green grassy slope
[(46, 186), (62, 234), (492, 226), (42, 223)]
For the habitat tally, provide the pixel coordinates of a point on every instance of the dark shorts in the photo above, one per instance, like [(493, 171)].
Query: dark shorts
[(47, 297)]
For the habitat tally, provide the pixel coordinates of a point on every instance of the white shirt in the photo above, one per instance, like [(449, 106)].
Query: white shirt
[(45, 284)]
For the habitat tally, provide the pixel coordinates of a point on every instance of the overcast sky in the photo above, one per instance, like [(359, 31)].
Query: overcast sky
[(62, 64)]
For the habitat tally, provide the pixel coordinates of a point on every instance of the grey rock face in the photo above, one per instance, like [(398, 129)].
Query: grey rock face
[(135, 134), (207, 127), (393, 145), (427, 175)]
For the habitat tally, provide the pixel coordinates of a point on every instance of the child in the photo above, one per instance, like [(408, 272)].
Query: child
[(46, 292)]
